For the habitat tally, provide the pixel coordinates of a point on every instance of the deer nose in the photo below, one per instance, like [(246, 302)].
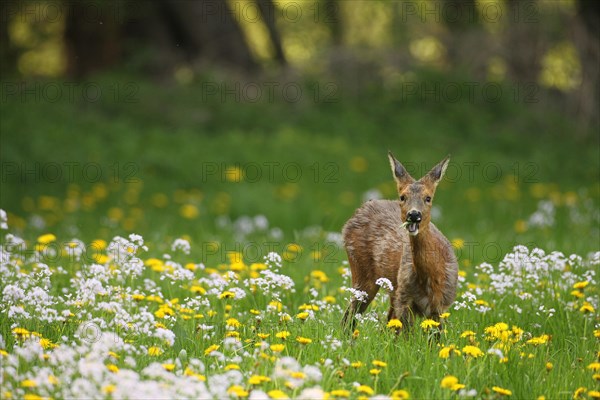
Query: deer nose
[(414, 216)]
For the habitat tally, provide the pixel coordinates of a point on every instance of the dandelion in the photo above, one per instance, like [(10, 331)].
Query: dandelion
[(282, 335), (356, 364), (472, 351), (189, 211), (578, 392), (169, 367), (112, 368), (595, 366), (594, 394), (394, 324), (340, 393), (28, 383), (379, 364), (458, 243), (227, 295), (303, 315), (374, 371), (234, 323), (365, 389), (445, 315), (447, 351), (108, 389), (538, 340), (258, 379), (581, 285), (451, 382), (549, 366), (329, 300), (428, 324), (211, 348), (400, 395), (277, 348), (154, 351), (469, 334), (230, 367), (277, 394), (46, 238), (303, 340), (587, 307), (499, 390), (238, 391)]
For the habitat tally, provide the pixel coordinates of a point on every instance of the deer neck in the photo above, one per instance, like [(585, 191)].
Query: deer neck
[(423, 248)]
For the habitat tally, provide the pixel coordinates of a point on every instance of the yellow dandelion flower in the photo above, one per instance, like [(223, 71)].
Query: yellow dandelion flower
[(400, 395), (154, 351), (340, 393), (578, 392), (28, 383), (229, 367), (429, 323), (21, 332), (263, 335), (577, 293), (329, 299), (595, 366), (282, 335), (450, 382), (233, 323), (365, 389), (277, 348), (303, 315), (375, 371), (587, 307), (238, 391), (594, 394), (32, 396), (258, 379), (538, 340), (356, 364), (445, 315), (227, 295), (549, 366), (211, 348), (502, 391), (472, 351), (46, 238), (581, 285), (469, 334), (189, 211), (277, 394), (447, 351), (197, 289), (355, 334), (303, 340), (169, 367), (377, 363), (394, 324), (596, 377), (108, 389), (112, 368), (458, 243)]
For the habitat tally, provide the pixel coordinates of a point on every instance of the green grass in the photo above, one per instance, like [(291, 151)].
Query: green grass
[(170, 152)]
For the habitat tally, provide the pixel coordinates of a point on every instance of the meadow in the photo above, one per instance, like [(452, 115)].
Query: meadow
[(160, 244)]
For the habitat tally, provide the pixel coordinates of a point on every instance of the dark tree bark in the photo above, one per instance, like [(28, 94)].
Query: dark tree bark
[(523, 45), (267, 9), (587, 41), (158, 34), (467, 43)]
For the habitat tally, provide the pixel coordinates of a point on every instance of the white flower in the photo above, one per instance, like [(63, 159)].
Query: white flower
[(385, 283), (3, 219), (181, 244)]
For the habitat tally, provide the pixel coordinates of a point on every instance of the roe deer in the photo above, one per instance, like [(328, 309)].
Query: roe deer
[(397, 241)]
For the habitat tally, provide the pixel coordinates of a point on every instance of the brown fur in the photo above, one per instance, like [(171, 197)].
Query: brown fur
[(422, 267)]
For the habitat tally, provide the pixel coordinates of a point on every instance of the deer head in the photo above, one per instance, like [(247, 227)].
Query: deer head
[(416, 197)]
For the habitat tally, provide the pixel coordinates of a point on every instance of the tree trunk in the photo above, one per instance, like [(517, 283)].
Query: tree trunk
[(267, 9), (523, 44)]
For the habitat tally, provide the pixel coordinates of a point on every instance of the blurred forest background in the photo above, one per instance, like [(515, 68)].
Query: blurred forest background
[(186, 95), (553, 44)]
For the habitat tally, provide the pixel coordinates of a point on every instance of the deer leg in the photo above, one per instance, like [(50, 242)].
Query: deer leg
[(358, 307)]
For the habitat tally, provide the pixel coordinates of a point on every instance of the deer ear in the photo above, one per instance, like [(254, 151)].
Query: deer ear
[(401, 176), (437, 173)]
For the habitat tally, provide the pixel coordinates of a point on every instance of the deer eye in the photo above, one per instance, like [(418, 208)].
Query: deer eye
[(402, 198), (428, 199)]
